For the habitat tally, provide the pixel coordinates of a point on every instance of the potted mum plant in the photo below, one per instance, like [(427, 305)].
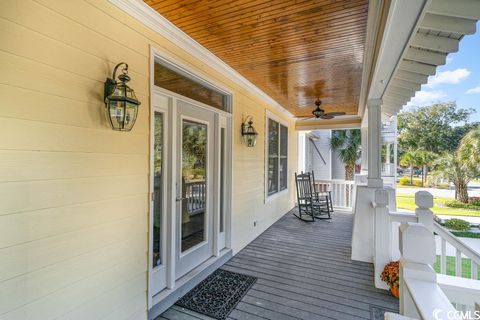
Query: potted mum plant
[(390, 275)]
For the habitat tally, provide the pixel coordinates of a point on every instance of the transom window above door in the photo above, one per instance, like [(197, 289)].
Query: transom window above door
[(175, 79), (277, 157)]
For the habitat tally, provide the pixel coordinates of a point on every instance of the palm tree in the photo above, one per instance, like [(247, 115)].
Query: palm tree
[(347, 143), (451, 167), (410, 158), (469, 150), (425, 159)]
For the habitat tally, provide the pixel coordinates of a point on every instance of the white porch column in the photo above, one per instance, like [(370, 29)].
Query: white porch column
[(363, 225), (374, 143), (395, 152), (364, 158), (381, 229)]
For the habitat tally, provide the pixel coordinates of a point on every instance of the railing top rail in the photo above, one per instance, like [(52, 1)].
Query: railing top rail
[(194, 183), (456, 242), (459, 289), (437, 300), (337, 181)]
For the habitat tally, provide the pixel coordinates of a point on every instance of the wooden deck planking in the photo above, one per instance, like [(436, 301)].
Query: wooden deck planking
[(304, 271)]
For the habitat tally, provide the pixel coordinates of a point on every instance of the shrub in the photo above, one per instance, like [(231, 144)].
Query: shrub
[(466, 234), (461, 205), (457, 224), (404, 181), (417, 183), (474, 201)]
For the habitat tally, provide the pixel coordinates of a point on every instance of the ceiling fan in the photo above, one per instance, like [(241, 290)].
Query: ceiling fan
[(321, 114)]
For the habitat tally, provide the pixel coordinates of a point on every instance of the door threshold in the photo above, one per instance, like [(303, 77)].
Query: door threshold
[(167, 297)]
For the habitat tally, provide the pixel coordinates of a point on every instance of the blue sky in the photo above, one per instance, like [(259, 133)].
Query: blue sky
[(458, 80)]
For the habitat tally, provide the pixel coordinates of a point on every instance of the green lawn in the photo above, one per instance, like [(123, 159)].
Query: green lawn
[(405, 201), (466, 267)]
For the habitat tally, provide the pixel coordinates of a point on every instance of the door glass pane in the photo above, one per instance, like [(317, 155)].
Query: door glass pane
[(194, 190), (173, 79), (157, 188), (283, 173), (283, 140), (272, 175), (272, 137), (283, 157), (222, 178)]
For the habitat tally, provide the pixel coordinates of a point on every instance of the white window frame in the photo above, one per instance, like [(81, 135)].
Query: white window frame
[(274, 117)]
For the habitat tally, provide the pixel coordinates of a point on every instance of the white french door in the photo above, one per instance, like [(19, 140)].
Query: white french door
[(190, 183), (194, 186)]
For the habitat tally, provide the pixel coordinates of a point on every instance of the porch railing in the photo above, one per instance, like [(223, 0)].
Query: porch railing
[(418, 256), (342, 191), (388, 169), (195, 197)]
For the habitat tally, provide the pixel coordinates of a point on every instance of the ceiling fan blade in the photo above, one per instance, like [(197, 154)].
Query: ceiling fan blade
[(327, 116), (303, 116), (306, 118), (335, 114)]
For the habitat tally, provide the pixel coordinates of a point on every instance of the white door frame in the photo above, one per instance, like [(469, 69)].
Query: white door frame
[(157, 275), (223, 119)]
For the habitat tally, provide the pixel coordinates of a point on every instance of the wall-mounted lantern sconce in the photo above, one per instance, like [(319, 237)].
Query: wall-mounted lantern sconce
[(120, 101), (249, 134)]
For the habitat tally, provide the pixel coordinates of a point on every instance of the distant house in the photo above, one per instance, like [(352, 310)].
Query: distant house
[(316, 155)]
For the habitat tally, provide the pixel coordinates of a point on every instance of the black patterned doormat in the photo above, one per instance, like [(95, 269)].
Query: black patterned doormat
[(218, 294)]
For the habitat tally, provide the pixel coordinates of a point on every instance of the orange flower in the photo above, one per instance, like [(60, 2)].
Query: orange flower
[(391, 274)]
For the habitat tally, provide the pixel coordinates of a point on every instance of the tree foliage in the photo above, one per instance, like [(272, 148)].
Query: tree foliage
[(347, 143), (437, 128), (450, 167), (469, 150), (411, 158)]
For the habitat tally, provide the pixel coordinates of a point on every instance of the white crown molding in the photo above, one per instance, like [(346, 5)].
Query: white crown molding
[(152, 19)]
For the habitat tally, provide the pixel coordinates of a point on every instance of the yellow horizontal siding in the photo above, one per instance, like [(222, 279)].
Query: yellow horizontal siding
[(25, 227), (74, 193), (47, 165)]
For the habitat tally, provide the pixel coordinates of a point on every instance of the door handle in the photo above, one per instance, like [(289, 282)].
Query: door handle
[(180, 199)]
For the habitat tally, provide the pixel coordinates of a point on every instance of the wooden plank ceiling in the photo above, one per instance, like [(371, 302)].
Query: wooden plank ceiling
[(296, 51)]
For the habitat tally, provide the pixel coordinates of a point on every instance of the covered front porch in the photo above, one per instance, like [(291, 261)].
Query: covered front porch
[(114, 205), (304, 271)]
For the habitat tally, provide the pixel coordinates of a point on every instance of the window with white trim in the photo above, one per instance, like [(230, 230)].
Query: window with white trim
[(277, 152)]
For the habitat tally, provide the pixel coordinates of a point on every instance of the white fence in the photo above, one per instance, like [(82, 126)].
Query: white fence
[(342, 191)]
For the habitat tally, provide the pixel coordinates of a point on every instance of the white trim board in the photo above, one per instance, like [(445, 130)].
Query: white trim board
[(152, 19)]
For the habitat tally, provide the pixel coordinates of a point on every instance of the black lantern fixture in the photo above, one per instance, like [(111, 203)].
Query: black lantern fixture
[(120, 101), (249, 134)]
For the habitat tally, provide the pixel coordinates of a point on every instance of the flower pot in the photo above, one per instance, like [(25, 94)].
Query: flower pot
[(395, 291)]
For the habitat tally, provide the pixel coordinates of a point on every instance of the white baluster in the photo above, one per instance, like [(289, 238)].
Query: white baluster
[(443, 257), (337, 192), (458, 263), (342, 194)]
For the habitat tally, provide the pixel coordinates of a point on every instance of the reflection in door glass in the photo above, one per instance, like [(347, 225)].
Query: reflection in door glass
[(194, 190), (157, 188)]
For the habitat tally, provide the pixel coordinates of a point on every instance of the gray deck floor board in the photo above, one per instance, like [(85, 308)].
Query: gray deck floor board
[(304, 271)]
